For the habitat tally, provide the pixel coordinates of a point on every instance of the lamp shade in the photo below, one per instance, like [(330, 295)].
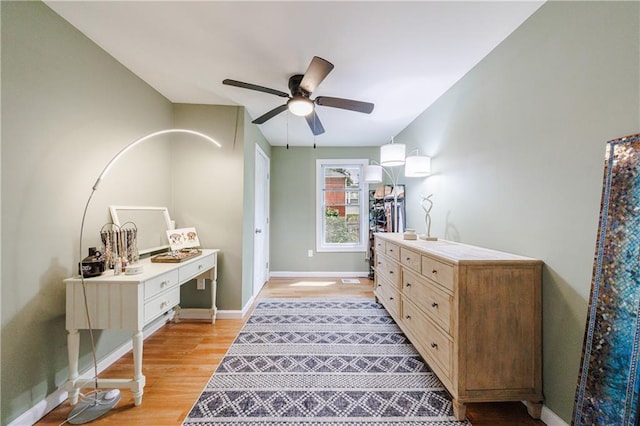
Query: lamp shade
[(300, 106), (417, 166), (392, 154), (373, 174)]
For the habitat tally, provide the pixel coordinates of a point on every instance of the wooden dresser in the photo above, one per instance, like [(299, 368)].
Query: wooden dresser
[(474, 315)]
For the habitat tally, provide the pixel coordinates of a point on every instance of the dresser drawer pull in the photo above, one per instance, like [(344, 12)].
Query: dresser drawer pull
[(408, 259), (434, 271), (408, 284), (163, 284), (391, 250), (379, 263), (434, 345), (164, 304), (200, 266), (390, 298), (408, 317), (434, 305), (391, 272)]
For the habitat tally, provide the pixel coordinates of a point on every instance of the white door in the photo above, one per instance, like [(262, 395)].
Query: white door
[(261, 224)]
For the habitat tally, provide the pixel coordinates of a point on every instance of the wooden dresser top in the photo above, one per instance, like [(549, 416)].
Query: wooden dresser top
[(456, 252)]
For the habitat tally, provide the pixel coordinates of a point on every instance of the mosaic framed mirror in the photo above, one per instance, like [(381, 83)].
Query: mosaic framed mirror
[(609, 382)]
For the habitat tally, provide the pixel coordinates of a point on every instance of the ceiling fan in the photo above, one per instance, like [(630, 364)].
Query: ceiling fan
[(299, 102)]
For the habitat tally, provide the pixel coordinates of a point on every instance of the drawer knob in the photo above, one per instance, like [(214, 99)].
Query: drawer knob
[(408, 258), (164, 304), (379, 263), (164, 284), (434, 305), (408, 284), (391, 250), (434, 345), (434, 271), (200, 266), (390, 298), (408, 317), (391, 272)]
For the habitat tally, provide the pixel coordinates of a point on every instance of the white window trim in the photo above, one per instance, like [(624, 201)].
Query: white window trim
[(364, 216)]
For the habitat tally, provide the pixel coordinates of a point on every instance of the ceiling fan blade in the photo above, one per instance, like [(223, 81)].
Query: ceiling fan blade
[(341, 103), (270, 114), (250, 86), (314, 123), (318, 69)]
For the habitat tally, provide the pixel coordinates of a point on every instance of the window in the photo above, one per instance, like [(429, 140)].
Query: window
[(341, 215)]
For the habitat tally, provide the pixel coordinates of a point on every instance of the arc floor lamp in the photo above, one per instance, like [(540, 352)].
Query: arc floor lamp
[(100, 402)]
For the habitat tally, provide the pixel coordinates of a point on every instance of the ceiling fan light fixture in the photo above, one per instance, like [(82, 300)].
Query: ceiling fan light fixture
[(300, 106)]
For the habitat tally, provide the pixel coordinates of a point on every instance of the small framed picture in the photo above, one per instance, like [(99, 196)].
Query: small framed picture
[(183, 238)]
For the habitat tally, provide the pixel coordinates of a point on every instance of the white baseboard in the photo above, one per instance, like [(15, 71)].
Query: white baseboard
[(229, 314), (51, 401), (294, 274), (550, 418)]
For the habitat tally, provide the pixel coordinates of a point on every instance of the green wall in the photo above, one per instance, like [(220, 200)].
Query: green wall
[(518, 155), (67, 107), (293, 214)]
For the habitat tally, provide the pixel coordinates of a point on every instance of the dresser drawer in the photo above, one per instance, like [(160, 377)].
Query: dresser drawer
[(439, 272), (196, 267), (380, 245), (392, 250), (160, 304), (430, 340), (160, 283), (388, 270), (410, 258), (390, 298), (433, 301)]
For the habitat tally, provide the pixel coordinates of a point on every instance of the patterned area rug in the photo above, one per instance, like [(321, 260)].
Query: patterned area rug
[(322, 362)]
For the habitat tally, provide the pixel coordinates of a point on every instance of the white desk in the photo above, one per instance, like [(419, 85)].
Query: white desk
[(129, 302)]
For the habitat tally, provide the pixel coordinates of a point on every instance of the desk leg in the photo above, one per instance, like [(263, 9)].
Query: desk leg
[(73, 349), (138, 378), (214, 286)]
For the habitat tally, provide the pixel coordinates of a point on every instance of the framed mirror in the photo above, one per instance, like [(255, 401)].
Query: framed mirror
[(152, 224)]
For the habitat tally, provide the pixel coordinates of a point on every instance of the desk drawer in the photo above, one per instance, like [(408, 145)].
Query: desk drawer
[(196, 267), (430, 339), (158, 305), (410, 258), (160, 283), (439, 272), (428, 297)]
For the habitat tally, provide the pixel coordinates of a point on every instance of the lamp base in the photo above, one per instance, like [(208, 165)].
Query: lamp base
[(93, 407), (426, 238)]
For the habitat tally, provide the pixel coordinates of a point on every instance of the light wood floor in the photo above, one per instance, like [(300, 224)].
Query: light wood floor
[(180, 358)]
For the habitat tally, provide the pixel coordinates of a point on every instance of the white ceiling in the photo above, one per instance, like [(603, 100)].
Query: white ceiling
[(401, 56)]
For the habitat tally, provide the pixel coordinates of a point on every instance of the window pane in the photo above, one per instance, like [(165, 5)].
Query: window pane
[(341, 198), (342, 177), (342, 229)]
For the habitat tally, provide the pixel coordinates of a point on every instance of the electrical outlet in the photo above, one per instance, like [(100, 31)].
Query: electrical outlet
[(310, 253)]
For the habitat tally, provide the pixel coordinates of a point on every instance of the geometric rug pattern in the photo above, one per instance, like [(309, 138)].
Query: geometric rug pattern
[(309, 362)]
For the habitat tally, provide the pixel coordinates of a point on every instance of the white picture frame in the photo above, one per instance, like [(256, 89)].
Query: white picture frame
[(151, 222)]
